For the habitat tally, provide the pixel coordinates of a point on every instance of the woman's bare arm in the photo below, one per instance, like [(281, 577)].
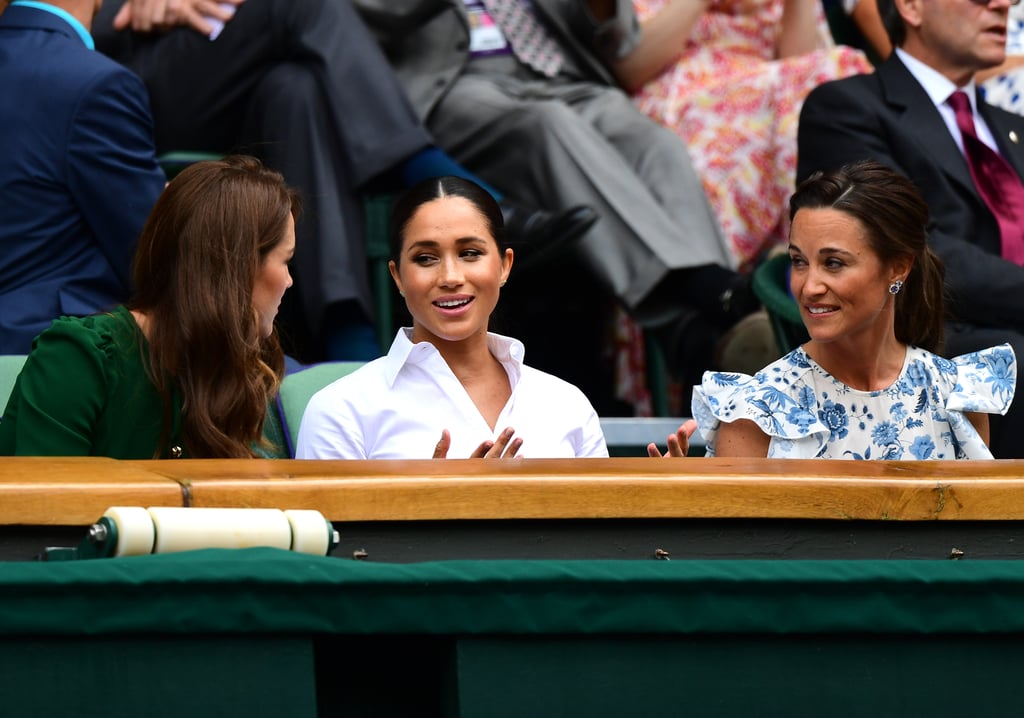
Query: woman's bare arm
[(869, 22), (742, 438), (663, 38), (798, 33), (980, 422)]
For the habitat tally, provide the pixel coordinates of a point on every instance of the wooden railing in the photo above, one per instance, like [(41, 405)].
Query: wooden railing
[(261, 632), (75, 491)]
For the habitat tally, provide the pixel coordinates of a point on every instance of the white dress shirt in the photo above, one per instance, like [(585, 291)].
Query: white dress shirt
[(395, 408), (939, 88)]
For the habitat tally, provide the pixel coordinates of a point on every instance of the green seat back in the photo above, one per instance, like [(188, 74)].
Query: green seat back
[(174, 162), (298, 388), (10, 367), (771, 286)]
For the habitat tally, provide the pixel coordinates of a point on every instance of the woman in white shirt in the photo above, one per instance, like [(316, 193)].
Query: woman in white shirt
[(448, 386)]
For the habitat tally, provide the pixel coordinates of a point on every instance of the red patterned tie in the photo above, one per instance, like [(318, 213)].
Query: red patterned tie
[(530, 40), (995, 179)]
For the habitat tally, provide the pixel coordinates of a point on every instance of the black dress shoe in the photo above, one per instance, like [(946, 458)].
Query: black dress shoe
[(687, 342), (739, 300), (538, 236)]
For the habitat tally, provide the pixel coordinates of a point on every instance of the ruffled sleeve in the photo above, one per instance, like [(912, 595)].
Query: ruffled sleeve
[(985, 381), (776, 399)]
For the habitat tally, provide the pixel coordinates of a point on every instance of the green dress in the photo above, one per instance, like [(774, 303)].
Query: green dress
[(84, 391)]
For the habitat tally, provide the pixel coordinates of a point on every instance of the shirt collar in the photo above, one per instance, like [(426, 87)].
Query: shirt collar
[(938, 86), (63, 15), (508, 351)]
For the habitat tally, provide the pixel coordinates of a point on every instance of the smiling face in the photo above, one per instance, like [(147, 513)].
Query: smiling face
[(450, 270), (956, 37), (838, 280), (273, 279)]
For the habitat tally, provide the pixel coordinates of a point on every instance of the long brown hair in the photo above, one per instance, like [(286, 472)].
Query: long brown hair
[(895, 217), (195, 269)]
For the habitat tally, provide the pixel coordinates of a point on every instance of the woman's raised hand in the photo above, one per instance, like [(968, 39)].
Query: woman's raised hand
[(678, 443), (506, 446)]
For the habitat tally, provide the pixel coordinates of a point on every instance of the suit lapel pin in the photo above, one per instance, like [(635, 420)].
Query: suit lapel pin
[(1013, 137)]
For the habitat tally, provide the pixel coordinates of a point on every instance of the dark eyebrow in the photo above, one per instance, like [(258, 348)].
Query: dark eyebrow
[(433, 244), (829, 251), (826, 251)]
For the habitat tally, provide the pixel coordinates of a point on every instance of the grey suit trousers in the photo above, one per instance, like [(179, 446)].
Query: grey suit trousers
[(553, 144)]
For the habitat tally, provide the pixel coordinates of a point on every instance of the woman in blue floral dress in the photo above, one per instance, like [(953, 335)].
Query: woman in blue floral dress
[(868, 384)]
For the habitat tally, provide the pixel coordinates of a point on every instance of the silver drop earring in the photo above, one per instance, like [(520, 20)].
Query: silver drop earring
[(896, 286)]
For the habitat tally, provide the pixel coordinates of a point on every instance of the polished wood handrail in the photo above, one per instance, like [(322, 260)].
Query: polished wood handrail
[(75, 491), (71, 491)]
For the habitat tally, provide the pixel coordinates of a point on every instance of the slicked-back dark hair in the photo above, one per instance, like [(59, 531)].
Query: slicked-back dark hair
[(437, 188)]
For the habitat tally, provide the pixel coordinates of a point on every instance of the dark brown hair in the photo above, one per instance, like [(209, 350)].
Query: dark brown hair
[(195, 270), (435, 188), (895, 217)]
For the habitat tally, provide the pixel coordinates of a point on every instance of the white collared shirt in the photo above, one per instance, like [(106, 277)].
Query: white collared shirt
[(939, 88), (395, 407)]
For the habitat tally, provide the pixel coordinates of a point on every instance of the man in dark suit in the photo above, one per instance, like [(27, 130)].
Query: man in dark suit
[(565, 133), (79, 173), (304, 86), (901, 115)]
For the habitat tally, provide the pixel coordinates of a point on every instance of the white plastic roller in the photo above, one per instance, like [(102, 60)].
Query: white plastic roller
[(135, 531), (179, 529), (162, 529), (308, 534)]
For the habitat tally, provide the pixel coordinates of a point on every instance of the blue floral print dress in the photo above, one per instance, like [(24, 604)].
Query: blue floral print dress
[(810, 414), (1007, 90)]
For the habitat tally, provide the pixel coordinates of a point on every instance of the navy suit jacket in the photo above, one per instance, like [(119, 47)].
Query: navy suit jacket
[(888, 116), (78, 175)]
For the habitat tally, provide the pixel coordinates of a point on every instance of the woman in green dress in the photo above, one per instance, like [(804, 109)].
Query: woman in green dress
[(188, 366)]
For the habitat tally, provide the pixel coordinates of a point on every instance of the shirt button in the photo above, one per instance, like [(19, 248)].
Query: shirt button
[(461, 45), (440, 82)]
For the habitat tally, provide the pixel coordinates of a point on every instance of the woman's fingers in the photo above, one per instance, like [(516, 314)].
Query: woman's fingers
[(501, 443), (513, 449), (678, 443), (441, 449), (676, 447), (483, 451), (504, 447)]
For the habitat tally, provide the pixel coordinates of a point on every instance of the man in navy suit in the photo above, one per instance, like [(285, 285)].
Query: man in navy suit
[(901, 115), (79, 173)]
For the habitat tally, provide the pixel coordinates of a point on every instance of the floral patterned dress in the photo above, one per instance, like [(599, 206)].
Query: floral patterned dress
[(1007, 90), (737, 109), (810, 414)]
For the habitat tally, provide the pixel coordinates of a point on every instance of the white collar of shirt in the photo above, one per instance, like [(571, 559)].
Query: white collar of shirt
[(506, 350), (63, 15), (939, 88)]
